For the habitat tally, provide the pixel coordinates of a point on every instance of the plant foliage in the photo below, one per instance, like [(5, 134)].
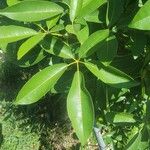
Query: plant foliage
[(84, 41)]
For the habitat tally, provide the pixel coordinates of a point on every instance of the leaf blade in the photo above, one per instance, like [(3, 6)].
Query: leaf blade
[(12, 33), (75, 7), (142, 18), (93, 40), (57, 47), (91, 7), (29, 44), (40, 10), (80, 108), (40, 84), (111, 75)]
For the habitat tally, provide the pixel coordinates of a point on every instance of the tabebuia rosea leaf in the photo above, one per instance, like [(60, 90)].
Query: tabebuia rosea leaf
[(111, 75), (75, 7), (107, 50), (40, 84), (92, 41), (142, 18), (29, 44), (80, 108), (12, 33), (57, 47), (114, 11), (31, 11), (90, 7)]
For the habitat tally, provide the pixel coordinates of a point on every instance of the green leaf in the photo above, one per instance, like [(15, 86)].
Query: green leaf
[(80, 29), (142, 18), (140, 141), (93, 40), (120, 118), (111, 75), (137, 43), (31, 11), (107, 50), (115, 9), (29, 44), (52, 22), (93, 17), (14, 33), (57, 28), (40, 84), (57, 47), (75, 7), (80, 108), (86, 2), (32, 58), (12, 2), (91, 7)]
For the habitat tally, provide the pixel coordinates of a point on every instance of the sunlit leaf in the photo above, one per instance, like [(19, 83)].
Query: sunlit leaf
[(40, 84), (14, 33), (111, 75), (80, 108), (75, 7), (142, 18), (92, 41), (32, 11), (29, 44)]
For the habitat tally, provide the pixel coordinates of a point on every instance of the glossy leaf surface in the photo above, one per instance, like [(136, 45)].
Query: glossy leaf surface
[(75, 7), (91, 7), (80, 108), (111, 75), (29, 44), (40, 84), (57, 47), (14, 33), (93, 40), (142, 18), (30, 11)]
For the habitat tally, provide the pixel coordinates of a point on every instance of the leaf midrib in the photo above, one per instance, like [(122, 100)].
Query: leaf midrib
[(29, 93)]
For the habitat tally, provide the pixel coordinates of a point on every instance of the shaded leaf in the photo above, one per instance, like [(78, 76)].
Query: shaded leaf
[(80, 108), (32, 58), (32, 11), (140, 141), (115, 9), (40, 84), (57, 47), (107, 50)]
